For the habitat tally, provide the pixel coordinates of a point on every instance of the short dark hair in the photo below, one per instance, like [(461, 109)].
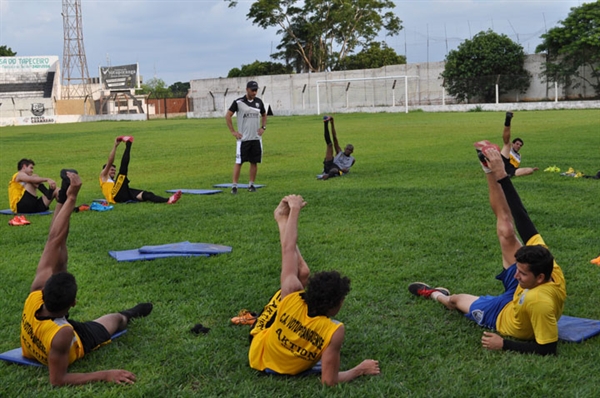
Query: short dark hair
[(518, 140), (538, 258), (325, 291), (24, 162), (60, 291), (112, 165)]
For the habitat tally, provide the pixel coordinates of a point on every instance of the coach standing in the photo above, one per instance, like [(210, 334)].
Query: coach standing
[(251, 123)]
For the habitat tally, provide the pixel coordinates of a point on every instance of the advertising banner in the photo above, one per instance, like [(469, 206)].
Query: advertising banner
[(122, 77)]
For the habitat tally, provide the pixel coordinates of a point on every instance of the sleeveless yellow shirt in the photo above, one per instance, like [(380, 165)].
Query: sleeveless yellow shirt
[(37, 335), (16, 190), (294, 342)]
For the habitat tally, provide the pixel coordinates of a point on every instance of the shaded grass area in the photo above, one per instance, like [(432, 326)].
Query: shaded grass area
[(414, 207)]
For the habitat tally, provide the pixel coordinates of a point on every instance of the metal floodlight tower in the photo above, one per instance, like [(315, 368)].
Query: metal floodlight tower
[(75, 75)]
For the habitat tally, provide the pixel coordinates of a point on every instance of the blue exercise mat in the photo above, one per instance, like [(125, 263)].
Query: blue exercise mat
[(196, 191), (181, 249), (16, 355), (187, 248), (240, 186), (576, 330), (9, 212), (135, 255)]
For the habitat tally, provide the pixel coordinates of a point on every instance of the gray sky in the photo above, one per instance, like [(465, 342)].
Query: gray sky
[(182, 40)]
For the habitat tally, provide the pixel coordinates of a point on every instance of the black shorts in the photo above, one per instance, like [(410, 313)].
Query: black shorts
[(331, 168), (508, 167), (92, 334), (31, 204), (249, 151)]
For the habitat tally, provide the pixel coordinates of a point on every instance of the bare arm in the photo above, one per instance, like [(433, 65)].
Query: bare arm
[(54, 256), (229, 122), (109, 162), (290, 282), (331, 375), (35, 179), (263, 123), (58, 363), (336, 144)]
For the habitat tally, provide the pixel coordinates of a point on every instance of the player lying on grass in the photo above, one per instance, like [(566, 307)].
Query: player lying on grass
[(535, 288), (334, 166), (295, 330), (115, 187), (47, 333)]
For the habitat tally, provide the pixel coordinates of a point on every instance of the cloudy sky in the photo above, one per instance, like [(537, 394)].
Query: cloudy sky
[(182, 40)]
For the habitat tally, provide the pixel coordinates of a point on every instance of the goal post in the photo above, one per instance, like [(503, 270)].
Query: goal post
[(369, 92)]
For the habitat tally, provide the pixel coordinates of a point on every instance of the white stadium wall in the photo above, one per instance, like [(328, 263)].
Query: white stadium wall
[(350, 91)]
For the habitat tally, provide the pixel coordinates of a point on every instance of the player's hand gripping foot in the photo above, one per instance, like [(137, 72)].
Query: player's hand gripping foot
[(495, 162), (295, 201), (282, 211)]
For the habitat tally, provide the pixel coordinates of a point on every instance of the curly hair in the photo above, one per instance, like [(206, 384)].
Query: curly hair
[(325, 291), (59, 292), (539, 259)]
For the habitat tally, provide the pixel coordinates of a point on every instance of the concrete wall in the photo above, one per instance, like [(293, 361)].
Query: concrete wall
[(298, 94)]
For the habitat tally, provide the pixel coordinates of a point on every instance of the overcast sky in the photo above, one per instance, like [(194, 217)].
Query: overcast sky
[(182, 40)]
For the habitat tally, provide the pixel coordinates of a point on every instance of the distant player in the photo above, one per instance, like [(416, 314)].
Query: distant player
[(335, 166), (510, 152), (115, 187)]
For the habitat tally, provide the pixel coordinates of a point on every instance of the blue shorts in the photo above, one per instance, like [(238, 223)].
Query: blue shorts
[(485, 310)]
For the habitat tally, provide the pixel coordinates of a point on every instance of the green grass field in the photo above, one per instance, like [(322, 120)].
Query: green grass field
[(413, 208)]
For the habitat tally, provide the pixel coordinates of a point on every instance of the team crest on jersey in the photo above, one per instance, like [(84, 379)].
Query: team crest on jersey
[(37, 109), (522, 298), (478, 316)]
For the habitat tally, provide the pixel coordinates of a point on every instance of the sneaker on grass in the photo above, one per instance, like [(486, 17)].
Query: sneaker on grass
[(424, 290)]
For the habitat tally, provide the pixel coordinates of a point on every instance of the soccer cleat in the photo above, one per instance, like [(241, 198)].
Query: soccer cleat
[(126, 138), (234, 191), (424, 290), (24, 221), (251, 188), (174, 198), (509, 115), (244, 317), (16, 221), (120, 138), (596, 260), (481, 147)]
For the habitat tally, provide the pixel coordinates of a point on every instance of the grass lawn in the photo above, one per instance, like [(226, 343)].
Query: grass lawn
[(414, 207)]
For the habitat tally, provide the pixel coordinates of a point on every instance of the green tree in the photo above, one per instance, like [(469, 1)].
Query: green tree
[(258, 68), (179, 89), (374, 56), (477, 65), (321, 33), (573, 46), (156, 88), (6, 51)]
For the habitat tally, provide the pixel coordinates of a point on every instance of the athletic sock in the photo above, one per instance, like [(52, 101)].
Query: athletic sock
[(47, 192), (250, 183), (509, 116), (151, 197), (140, 310), (234, 185), (66, 182)]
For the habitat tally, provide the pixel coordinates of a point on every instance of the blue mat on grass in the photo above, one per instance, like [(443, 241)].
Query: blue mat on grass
[(576, 330), (240, 186), (16, 355), (9, 212), (181, 249), (196, 191)]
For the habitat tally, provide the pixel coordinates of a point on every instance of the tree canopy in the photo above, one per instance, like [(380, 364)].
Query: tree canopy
[(179, 89), (477, 65), (6, 51), (156, 88), (374, 56), (258, 68), (318, 34), (574, 47)]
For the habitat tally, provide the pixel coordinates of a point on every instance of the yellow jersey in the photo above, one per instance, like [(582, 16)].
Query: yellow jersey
[(294, 342)]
